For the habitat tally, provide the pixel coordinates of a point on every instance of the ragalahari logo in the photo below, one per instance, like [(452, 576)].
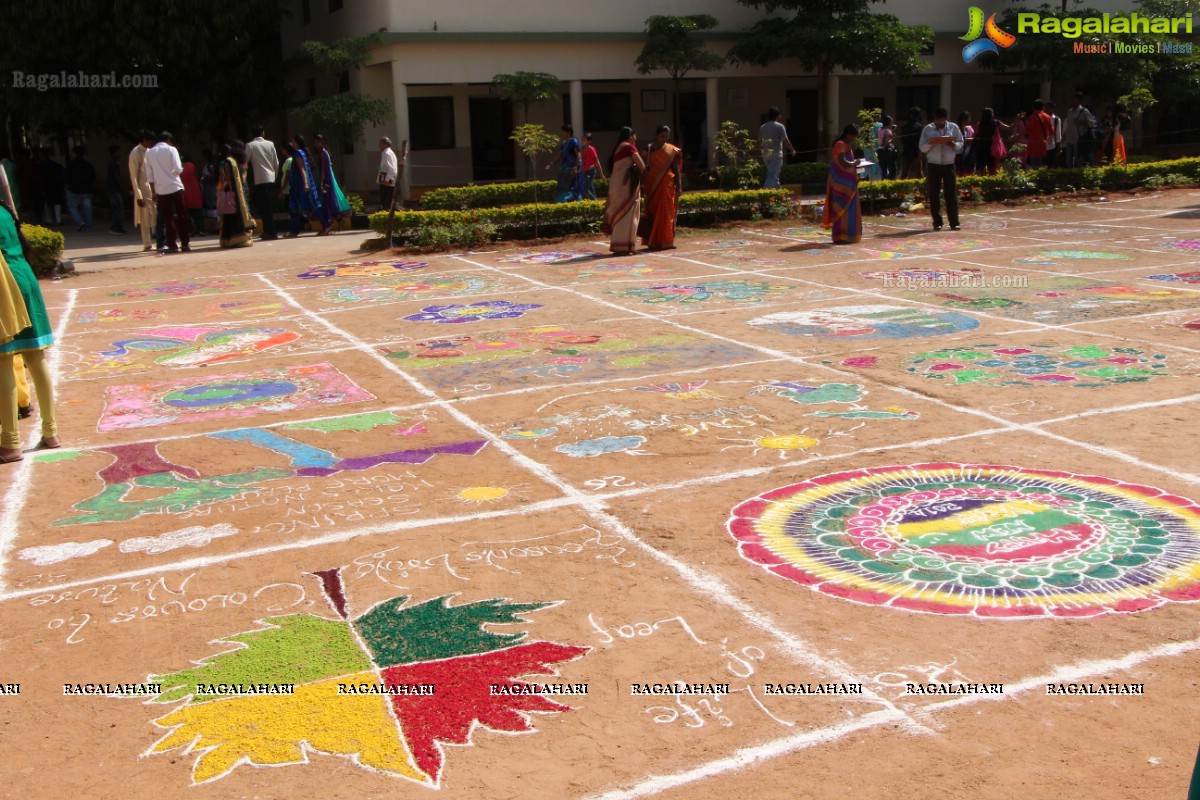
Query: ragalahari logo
[(996, 38)]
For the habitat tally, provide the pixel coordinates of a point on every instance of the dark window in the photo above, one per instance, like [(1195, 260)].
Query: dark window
[(335, 5), (1009, 98), (348, 149), (602, 111), (310, 86), (305, 12), (344, 83), (431, 123), (926, 98), (875, 102)]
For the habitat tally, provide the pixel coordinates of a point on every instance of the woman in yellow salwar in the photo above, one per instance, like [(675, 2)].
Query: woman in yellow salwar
[(237, 226), (661, 187), (843, 214), (622, 209), (25, 329)]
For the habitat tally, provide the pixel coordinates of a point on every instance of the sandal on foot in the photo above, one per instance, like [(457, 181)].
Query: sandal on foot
[(9, 456), (24, 412), (49, 443)]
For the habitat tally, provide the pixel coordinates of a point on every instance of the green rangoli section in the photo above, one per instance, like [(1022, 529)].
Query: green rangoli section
[(299, 650), (434, 629)]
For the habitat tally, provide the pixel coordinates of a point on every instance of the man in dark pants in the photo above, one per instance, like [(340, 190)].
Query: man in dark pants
[(941, 141), (164, 169), (264, 166)]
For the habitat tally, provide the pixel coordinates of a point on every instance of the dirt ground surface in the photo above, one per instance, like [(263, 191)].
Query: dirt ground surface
[(757, 517)]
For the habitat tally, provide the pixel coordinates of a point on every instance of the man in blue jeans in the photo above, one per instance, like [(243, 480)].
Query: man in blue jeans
[(772, 141)]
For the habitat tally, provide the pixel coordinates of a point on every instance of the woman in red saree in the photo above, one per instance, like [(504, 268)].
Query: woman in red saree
[(843, 214), (661, 187), (622, 209)]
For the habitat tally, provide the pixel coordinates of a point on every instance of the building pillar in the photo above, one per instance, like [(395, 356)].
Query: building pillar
[(712, 119), (400, 109), (944, 98), (832, 118), (576, 88)]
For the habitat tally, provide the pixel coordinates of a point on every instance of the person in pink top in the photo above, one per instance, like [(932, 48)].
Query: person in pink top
[(591, 167)]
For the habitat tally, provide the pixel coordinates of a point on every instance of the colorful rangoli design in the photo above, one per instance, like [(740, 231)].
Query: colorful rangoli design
[(1183, 244), (387, 689), (229, 396), (457, 314), (866, 322), (552, 256), (361, 269), (1178, 277), (179, 289), (429, 286), (614, 270), (1038, 365), (197, 346), (735, 291), (245, 310), (1055, 256), (991, 541), (120, 315)]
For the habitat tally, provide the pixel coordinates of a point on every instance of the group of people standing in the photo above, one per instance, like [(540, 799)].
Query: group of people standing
[(643, 192), (1036, 136), (241, 182), (578, 167)]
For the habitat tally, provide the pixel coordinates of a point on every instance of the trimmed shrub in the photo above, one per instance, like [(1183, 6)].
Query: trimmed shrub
[(47, 246), (558, 219), (491, 195)]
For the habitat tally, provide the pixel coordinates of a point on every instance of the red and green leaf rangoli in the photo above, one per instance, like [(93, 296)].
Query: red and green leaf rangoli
[(394, 645)]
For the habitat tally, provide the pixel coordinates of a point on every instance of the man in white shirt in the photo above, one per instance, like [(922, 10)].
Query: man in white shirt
[(145, 211), (941, 141), (163, 169), (264, 166), (388, 167), (772, 141), (1054, 144)]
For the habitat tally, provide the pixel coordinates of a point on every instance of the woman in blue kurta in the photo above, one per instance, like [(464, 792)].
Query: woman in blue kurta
[(303, 197), (30, 341), (843, 214), (335, 203)]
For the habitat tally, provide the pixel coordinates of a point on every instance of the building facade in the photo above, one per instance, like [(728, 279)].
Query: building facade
[(435, 62)]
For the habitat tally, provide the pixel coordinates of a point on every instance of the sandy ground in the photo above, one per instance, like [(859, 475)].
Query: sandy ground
[(356, 517)]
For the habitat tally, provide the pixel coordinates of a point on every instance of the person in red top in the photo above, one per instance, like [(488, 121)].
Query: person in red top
[(591, 167), (193, 197), (1039, 129)]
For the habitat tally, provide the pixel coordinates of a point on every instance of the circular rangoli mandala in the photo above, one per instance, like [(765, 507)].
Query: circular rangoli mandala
[(993, 541)]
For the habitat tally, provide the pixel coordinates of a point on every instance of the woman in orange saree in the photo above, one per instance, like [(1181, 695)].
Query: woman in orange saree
[(622, 209), (843, 214), (661, 187)]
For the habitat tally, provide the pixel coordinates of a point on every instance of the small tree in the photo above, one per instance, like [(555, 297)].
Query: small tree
[(342, 116), (1135, 103), (534, 140), (736, 156), (527, 88), (672, 46), (823, 35)]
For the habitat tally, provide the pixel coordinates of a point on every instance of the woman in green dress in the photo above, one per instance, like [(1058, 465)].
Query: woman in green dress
[(30, 341)]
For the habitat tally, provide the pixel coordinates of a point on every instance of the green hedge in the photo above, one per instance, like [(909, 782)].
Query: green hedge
[(1041, 181), (47, 248), (557, 219), (491, 195)]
